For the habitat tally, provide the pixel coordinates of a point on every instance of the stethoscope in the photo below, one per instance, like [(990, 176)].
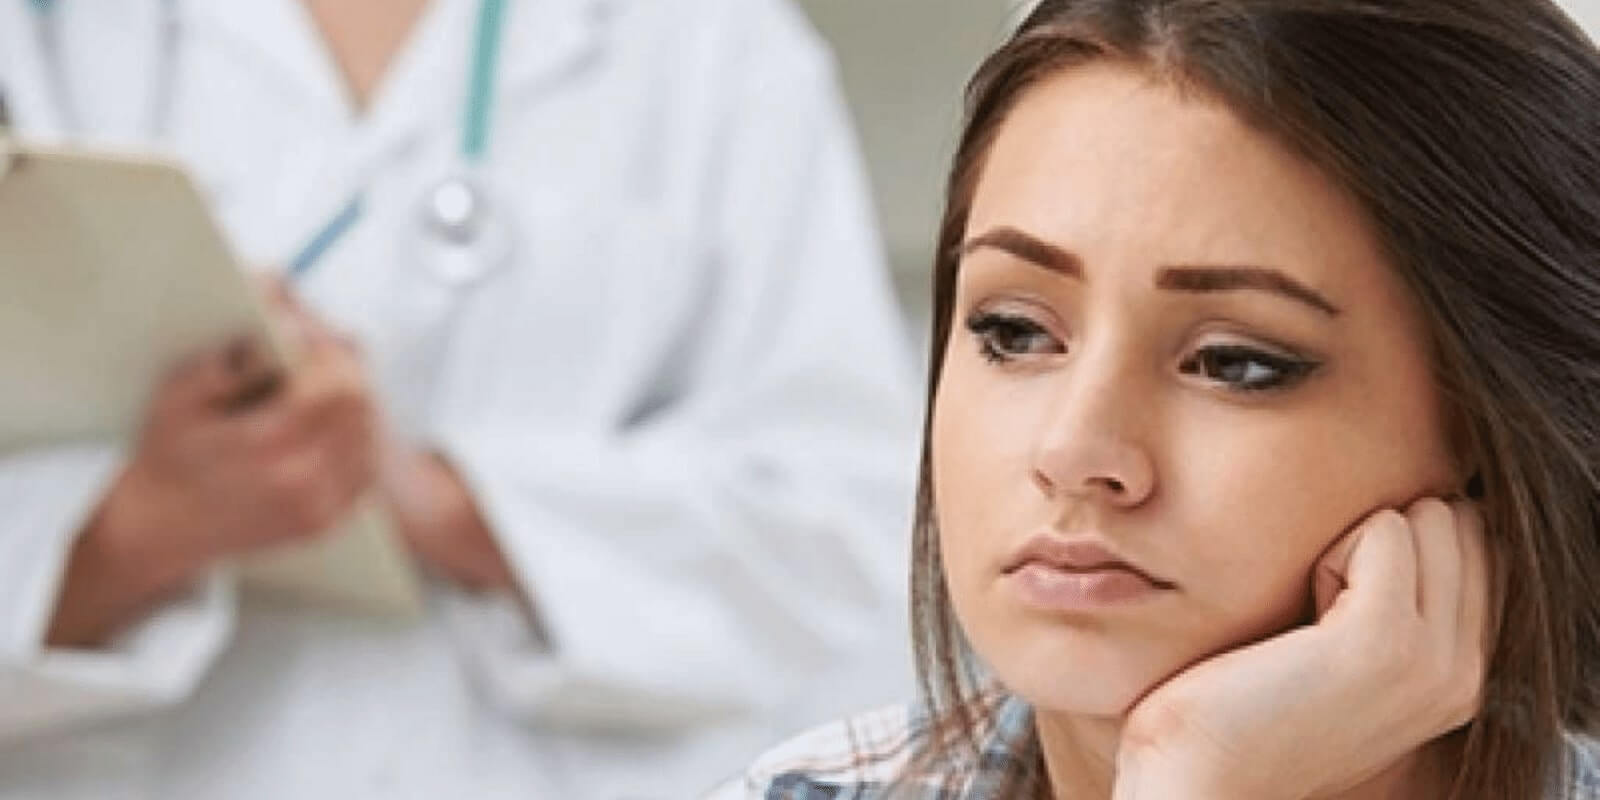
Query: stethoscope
[(456, 211)]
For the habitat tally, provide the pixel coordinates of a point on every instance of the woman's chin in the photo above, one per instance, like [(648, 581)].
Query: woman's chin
[(1064, 695), (1093, 678)]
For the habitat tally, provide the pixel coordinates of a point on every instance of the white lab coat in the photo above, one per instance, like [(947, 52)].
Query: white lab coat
[(681, 398)]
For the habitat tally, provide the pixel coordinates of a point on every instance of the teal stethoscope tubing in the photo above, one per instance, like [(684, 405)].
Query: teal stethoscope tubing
[(477, 112)]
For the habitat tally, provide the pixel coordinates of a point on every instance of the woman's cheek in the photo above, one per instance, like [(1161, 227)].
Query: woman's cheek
[(983, 432), (1256, 516)]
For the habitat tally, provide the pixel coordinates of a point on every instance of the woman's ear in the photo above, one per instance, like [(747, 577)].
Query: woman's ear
[(1468, 454)]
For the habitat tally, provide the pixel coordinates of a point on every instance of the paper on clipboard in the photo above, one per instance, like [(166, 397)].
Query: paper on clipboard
[(112, 271)]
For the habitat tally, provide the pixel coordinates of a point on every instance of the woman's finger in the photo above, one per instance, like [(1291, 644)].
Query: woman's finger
[(1433, 526), (1382, 577), (1329, 579)]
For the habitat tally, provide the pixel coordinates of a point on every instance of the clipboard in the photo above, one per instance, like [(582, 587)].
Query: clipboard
[(112, 270)]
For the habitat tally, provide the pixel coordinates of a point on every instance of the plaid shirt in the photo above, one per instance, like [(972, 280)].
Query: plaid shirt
[(862, 757)]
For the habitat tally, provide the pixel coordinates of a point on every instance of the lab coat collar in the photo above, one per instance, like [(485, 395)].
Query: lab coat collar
[(544, 38), (541, 40), (279, 33)]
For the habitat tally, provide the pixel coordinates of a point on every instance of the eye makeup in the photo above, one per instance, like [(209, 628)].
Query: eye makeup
[(1004, 336), (1247, 368)]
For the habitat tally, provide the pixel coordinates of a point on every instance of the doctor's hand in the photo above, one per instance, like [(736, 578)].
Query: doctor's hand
[(1396, 660), (437, 515), (234, 457), (440, 520)]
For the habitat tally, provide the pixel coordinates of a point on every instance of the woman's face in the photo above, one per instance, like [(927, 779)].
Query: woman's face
[(1177, 350)]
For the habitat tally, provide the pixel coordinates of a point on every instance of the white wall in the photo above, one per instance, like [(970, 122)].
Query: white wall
[(904, 64), (1587, 13)]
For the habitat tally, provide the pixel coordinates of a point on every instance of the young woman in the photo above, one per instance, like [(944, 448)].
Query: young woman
[(1263, 454)]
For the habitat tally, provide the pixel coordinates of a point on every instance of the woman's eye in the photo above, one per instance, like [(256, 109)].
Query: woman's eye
[(1247, 369), (1002, 337)]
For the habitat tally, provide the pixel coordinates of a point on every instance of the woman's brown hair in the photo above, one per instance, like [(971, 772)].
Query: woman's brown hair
[(1469, 131)]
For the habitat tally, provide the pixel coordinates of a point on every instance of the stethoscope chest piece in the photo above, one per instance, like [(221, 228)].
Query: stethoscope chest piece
[(455, 210), (464, 238)]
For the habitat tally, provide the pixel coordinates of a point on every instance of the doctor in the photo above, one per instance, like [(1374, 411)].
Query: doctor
[(589, 288)]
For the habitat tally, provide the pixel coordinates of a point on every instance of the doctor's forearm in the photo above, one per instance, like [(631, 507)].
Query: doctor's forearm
[(111, 581)]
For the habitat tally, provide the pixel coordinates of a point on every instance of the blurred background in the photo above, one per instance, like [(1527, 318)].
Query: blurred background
[(907, 104)]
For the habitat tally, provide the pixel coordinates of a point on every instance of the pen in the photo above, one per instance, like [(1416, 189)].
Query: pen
[(325, 239)]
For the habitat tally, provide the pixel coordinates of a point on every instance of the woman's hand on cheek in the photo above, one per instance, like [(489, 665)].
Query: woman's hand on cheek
[(1396, 659)]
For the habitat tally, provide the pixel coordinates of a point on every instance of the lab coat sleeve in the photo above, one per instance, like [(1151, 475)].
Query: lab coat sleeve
[(47, 496), (749, 535)]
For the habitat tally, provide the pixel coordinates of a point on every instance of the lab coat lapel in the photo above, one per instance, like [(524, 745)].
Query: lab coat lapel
[(281, 34), (542, 40), (426, 89), (33, 111), (418, 96), (425, 86), (424, 95), (546, 38), (105, 57)]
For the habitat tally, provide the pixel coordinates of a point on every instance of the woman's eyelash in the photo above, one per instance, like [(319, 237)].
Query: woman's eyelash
[(1241, 368), (1004, 337)]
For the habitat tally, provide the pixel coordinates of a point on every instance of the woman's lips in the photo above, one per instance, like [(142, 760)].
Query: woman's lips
[(1063, 575), (1054, 589)]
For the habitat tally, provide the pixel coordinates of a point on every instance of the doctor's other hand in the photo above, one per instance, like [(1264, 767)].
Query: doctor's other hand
[(440, 520), (1396, 659), (235, 457)]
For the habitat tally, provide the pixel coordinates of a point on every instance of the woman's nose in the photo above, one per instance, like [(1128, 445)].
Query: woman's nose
[(1088, 449)]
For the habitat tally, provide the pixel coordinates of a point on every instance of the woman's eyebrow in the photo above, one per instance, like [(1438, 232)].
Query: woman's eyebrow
[(1229, 279), (1027, 247), (1197, 280)]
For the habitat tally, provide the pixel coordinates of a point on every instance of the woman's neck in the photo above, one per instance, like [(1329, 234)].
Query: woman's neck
[(1080, 755), (1080, 763)]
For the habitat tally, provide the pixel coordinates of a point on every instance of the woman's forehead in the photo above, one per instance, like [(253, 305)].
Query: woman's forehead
[(1110, 162)]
